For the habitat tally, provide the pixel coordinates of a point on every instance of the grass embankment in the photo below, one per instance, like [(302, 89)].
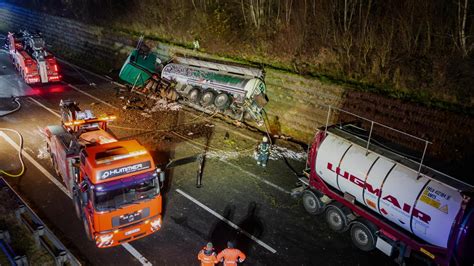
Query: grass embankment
[(417, 96)]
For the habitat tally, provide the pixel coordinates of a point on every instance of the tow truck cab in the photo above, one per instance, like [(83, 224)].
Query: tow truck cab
[(120, 187), (114, 185)]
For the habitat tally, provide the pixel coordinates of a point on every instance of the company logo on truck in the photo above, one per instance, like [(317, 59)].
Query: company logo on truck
[(407, 208), (123, 170)]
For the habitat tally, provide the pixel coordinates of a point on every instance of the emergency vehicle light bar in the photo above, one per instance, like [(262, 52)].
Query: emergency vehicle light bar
[(93, 120)]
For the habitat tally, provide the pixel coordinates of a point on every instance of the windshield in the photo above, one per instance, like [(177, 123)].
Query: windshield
[(118, 193)]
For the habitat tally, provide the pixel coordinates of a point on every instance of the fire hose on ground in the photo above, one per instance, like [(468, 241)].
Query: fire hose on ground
[(20, 137)]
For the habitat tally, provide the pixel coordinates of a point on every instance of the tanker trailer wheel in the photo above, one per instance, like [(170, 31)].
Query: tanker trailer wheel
[(222, 101), (363, 235), (194, 95), (207, 98), (311, 203), (87, 228), (336, 218)]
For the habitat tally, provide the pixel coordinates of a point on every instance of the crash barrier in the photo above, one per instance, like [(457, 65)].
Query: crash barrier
[(43, 236), (12, 257)]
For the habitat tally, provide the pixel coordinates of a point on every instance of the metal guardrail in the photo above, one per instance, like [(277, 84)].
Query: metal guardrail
[(43, 236), (7, 249)]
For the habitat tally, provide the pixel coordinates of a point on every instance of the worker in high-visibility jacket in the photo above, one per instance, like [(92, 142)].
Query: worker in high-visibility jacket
[(263, 152), (207, 255), (231, 255)]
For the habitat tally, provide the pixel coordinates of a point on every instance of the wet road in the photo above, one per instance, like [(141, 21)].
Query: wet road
[(235, 192)]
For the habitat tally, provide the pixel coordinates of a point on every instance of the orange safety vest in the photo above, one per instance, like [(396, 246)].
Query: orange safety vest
[(231, 256), (206, 258)]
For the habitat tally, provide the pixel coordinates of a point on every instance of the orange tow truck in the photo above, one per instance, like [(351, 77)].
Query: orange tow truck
[(114, 185)]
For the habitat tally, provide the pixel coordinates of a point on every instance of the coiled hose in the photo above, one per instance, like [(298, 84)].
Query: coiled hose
[(20, 137)]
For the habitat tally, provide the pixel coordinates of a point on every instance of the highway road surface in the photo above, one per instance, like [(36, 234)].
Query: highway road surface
[(238, 200)]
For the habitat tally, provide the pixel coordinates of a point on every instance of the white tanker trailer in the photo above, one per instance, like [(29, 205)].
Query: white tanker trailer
[(388, 201), (235, 90), (228, 88)]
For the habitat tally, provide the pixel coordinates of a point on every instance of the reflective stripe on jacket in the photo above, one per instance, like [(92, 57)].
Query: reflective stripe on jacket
[(206, 258), (231, 256)]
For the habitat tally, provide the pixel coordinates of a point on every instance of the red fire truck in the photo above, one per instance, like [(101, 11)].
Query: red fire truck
[(387, 199), (31, 59), (114, 185)]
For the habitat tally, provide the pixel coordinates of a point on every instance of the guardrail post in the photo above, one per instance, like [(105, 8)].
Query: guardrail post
[(21, 261), (5, 236)]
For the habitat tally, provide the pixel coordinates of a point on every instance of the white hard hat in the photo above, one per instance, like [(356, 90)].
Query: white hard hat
[(265, 139)]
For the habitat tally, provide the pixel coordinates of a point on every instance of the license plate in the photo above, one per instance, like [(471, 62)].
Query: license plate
[(128, 218), (132, 231)]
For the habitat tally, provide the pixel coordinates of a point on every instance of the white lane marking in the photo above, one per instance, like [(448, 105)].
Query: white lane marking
[(36, 164), (136, 254), (45, 107), (247, 172), (90, 95), (231, 224), (256, 176)]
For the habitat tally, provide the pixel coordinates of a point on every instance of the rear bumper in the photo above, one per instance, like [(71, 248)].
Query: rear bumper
[(106, 239), (37, 79)]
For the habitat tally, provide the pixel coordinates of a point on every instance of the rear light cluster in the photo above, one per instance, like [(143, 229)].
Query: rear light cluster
[(54, 78), (32, 80)]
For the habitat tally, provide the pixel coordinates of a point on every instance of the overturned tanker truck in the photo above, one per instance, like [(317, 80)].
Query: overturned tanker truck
[(385, 198), (235, 90)]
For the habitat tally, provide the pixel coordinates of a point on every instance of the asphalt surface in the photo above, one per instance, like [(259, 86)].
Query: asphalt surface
[(255, 200)]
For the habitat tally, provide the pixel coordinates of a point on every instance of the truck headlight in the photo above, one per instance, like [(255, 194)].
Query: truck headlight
[(155, 224), (105, 240)]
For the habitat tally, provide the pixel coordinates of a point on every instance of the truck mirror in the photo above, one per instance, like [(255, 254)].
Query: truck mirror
[(162, 177), (84, 197)]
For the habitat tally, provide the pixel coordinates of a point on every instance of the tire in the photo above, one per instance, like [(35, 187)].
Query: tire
[(336, 218), (311, 203), (76, 200), (207, 98), (222, 101), (194, 95), (363, 236), (87, 228)]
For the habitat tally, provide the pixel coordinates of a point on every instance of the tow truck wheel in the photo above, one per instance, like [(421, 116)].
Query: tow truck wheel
[(87, 228), (363, 236), (194, 95), (336, 218), (207, 98), (311, 203), (222, 101), (77, 204)]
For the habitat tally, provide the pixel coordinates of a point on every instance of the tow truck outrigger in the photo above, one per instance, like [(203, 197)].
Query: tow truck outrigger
[(114, 185)]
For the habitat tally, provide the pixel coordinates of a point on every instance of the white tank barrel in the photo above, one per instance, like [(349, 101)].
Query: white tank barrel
[(206, 78), (421, 205), (232, 69)]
